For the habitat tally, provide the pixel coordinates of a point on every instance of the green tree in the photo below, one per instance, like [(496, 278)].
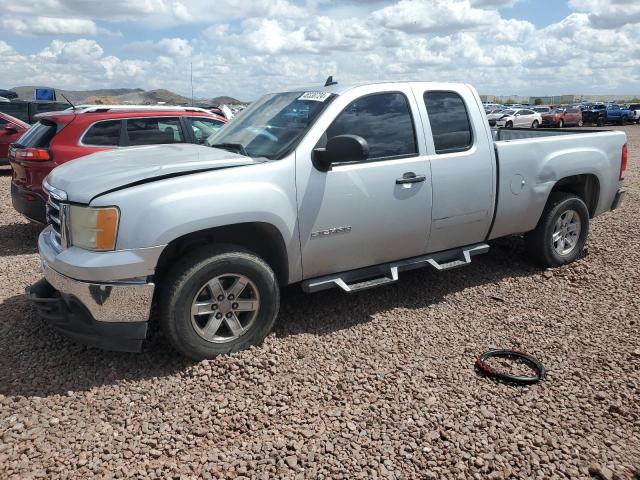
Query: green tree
[(537, 101)]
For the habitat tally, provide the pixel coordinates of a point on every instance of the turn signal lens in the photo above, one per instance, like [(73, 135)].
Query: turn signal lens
[(623, 161), (94, 228)]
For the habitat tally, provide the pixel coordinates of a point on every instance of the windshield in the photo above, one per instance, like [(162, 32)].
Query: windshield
[(273, 125), (508, 112)]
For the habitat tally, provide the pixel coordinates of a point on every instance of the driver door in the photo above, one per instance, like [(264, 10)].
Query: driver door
[(362, 213)]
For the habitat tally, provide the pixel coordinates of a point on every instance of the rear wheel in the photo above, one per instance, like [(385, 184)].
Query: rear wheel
[(623, 121), (561, 123), (580, 124), (562, 231), (600, 122), (217, 301)]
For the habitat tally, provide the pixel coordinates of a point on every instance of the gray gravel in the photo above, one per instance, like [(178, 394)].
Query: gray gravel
[(377, 384)]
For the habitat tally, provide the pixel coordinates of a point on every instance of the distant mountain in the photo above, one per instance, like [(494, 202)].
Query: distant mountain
[(225, 100), (136, 96)]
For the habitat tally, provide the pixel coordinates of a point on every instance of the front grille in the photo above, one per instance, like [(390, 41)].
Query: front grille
[(54, 218)]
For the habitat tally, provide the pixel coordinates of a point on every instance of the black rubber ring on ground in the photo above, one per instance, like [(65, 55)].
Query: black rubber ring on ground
[(528, 359)]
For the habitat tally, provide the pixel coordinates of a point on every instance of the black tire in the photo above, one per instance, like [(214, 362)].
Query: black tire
[(508, 125), (186, 278), (600, 122), (535, 124), (561, 123), (623, 120), (538, 242)]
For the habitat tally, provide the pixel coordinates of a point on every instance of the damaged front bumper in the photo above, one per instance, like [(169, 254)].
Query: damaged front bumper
[(112, 316)]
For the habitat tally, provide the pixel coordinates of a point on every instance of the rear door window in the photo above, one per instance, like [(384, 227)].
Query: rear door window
[(39, 135), (103, 134), (450, 125), (203, 128), (153, 131)]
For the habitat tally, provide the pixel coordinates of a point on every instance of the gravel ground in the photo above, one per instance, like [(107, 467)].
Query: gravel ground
[(377, 384)]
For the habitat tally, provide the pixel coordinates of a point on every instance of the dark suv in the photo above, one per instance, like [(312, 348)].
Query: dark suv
[(59, 137)]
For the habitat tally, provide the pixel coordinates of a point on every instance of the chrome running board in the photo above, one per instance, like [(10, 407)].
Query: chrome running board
[(376, 276)]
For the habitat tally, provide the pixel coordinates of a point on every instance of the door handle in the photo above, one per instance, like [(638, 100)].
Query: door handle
[(410, 177)]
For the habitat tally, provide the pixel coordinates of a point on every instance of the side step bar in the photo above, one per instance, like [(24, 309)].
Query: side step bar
[(370, 277)]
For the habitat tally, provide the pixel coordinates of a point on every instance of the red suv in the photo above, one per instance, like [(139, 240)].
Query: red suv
[(11, 129), (59, 137)]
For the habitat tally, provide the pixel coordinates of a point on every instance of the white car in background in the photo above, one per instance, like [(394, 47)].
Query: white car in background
[(635, 111), (519, 118)]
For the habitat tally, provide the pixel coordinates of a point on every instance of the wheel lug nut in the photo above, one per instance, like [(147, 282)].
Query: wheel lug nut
[(220, 298), (229, 315), (231, 297), (214, 307), (234, 306), (218, 315)]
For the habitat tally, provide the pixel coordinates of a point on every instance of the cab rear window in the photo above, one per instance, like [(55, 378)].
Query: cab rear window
[(39, 135)]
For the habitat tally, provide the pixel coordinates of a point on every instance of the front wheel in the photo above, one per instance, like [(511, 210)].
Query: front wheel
[(600, 122), (561, 123), (509, 125), (562, 231), (218, 300), (580, 123), (535, 124)]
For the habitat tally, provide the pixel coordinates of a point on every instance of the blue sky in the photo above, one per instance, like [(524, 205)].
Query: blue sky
[(245, 48), (539, 12)]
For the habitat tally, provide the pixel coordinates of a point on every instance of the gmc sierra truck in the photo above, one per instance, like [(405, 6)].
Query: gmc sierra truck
[(341, 186)]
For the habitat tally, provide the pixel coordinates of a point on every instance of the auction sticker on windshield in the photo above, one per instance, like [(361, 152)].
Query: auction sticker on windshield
[(315, 96)]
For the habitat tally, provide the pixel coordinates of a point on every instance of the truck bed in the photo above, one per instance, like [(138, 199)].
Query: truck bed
[(531, 161), (505, 134)]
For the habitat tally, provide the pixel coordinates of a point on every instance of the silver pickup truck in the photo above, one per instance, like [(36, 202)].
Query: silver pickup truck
[(328, 186)]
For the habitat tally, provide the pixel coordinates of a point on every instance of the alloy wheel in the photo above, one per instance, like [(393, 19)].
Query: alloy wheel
[(225, 308), (566, 232)]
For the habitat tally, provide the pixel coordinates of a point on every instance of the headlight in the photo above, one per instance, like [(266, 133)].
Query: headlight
[(94, 228)]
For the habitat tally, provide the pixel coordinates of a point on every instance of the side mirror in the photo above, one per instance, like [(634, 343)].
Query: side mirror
[(342, 148)]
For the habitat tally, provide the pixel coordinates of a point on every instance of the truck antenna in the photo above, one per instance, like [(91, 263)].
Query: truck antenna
[(330, 81)]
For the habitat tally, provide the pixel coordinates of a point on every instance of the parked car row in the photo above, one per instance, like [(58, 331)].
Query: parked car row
[(59, 137), (570, 115)]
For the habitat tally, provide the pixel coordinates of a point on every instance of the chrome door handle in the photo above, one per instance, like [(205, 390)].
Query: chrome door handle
[(410, 177)]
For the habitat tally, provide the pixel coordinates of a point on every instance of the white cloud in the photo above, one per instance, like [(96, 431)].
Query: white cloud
[(171, 47), (160, 13), (247, 48), (609, 14), (493, 3), (49, 26), (434, 16)]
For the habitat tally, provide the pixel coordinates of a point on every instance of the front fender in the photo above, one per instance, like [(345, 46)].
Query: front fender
[(155, 213)]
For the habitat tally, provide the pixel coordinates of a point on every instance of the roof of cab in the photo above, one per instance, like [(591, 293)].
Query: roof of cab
[(340, 88)]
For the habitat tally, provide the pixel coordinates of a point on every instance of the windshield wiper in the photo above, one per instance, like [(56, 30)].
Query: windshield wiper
[(232, 147)]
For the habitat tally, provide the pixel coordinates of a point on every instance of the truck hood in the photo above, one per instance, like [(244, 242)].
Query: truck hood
[(85, 178)]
